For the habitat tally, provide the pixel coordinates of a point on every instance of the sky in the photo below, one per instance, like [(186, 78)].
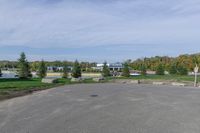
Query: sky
[(98, 30)]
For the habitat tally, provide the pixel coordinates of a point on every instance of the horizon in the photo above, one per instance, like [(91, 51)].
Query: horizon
[(98, 30), (132, 60)]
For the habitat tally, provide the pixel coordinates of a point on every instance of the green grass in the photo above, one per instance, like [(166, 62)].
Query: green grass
[(11, 87), (16, 87), (158, 77), (18, 84)]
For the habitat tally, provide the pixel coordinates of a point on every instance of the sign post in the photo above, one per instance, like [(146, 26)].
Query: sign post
[(196, 69)]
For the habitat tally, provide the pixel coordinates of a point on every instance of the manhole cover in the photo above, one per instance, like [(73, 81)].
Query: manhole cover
[(94, 95)]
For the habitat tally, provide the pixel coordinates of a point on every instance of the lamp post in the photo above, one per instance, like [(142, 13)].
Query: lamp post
[(196, 69)]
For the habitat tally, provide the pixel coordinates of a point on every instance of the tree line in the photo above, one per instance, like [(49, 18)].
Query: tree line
[(24, 70), (174, 65), (34, 65)]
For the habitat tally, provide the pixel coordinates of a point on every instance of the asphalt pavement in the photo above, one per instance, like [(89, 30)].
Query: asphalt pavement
[(104, 108)]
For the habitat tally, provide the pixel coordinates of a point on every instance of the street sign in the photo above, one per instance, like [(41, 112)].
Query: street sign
[(196, 69)]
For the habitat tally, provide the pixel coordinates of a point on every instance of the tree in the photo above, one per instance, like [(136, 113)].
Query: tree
[(106, 70), (42, 70), (0, 72), (76, 72), (65, 72), (143, 69), (173, 69), (125, 71), (182, 70), (34, 66), (160, 70), (24, 68)]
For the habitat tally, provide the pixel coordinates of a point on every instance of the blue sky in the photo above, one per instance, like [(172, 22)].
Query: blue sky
[(98, 30)]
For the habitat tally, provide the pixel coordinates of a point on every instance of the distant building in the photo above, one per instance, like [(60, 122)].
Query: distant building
[(99, 67), (57, 69), (113, 67), (116, 66)]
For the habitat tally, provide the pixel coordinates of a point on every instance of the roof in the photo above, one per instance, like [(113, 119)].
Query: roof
[(116, 65)]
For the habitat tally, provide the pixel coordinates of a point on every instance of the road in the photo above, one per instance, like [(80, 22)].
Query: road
[(104, 108)]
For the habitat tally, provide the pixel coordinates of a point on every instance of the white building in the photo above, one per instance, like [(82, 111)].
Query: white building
[(113, 66), (54, 68), (116, 66)]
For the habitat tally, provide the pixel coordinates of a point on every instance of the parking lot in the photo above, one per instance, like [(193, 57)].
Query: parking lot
[(104, 108)]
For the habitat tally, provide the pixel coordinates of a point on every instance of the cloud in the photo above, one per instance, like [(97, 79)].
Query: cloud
[(93, 23)]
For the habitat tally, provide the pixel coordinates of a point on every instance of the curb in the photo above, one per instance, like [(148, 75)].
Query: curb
[(178, 84), (158, 83), (171, 83)]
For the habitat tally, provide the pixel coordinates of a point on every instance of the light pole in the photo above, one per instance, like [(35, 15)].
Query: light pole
[(196, 69)]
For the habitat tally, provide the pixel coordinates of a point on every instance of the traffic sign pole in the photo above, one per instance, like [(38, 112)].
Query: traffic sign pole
[(196, 69)]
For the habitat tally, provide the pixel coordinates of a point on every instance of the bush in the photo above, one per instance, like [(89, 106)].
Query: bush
[(143, 69), (126, 72), (65, 72), (24, 68), (0, 72), (160, 70), (76, 72), (173, 69), (42, 70), (182, 70), (106, 70)]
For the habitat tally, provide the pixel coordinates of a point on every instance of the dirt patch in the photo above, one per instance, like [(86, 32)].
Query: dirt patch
[(17, 93)]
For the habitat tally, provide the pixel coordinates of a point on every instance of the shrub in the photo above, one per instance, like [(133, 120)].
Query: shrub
[(126, 72), (106, 70), (182, 70), (65, 72), (24, 68), (143, 69), (173, 69), (0, 72), (42, 69), (76, 72), (160, 70)]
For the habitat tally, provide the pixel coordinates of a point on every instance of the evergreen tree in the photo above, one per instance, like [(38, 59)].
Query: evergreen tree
[(126, 72), (42, 70), (160, 70), (76, 72), (0, 72), (65, 72), (173, 69), (24, 68), (143, 69), (182, 70), (106, 70)]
